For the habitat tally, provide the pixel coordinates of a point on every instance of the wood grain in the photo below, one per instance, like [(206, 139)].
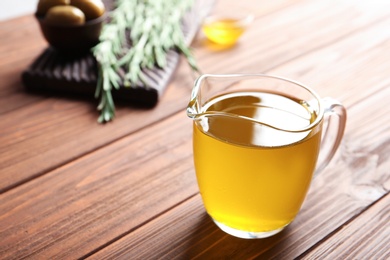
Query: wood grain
[(70, 188), (101, 196), (366, 237), (43, 120), (114, 191), (351, 184)]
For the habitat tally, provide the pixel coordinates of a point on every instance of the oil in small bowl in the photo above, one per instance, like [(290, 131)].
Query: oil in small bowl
[(225, 30)]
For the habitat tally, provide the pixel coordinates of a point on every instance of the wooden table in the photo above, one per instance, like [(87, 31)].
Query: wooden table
[(71, 188)]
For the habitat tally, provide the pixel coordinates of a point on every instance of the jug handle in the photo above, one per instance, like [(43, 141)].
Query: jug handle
[(335, 118)]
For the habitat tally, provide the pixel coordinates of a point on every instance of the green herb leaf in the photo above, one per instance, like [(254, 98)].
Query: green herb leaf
[(154, 28)]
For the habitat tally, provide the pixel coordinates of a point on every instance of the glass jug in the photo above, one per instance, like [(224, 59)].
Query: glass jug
[(257, 142)]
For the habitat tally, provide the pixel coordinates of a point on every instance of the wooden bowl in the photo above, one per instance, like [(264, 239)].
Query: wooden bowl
[(72, 39)]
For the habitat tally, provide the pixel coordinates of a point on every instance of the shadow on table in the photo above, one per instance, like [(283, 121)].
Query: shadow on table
[(209, 242)]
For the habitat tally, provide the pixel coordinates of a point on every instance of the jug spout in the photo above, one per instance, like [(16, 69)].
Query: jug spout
[(193, 109), (194, 106)]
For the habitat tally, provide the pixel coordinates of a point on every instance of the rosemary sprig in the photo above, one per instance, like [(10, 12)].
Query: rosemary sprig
[(154, 28)]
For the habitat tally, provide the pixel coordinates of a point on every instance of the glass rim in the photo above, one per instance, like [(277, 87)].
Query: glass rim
[(201, 78)]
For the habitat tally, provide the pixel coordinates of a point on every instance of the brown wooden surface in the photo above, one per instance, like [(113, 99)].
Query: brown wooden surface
[(71, 188)]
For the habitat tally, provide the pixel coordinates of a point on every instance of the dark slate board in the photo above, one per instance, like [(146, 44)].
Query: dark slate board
[(59, 73)]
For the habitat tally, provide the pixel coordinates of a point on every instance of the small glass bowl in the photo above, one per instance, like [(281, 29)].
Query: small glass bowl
[(226, 25)]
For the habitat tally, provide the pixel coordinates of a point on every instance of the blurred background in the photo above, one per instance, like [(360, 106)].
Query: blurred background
[(14, 8)]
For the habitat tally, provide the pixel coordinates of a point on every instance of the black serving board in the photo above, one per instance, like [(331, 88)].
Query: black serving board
[(63, 73)]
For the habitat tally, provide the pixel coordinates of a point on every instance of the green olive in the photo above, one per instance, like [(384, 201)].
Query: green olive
[(44, 5), (91, 8), (64, 15)]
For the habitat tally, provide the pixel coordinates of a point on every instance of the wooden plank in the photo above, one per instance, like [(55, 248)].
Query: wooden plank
[(352, 74), (50, 125), (192, 235), (20, 40), (16, 54), (99, 197), (289, 33), (198, 235), (42, 136), (366, 237)]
